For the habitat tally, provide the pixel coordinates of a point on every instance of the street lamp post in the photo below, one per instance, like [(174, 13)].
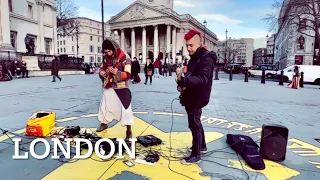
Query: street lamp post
[(204, 31), (102, 22), (225, 55)]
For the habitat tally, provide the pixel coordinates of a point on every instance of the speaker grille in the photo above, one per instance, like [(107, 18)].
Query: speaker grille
[(273, 147)]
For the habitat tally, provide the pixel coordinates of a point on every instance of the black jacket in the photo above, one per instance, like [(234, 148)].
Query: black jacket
[(198, 84)]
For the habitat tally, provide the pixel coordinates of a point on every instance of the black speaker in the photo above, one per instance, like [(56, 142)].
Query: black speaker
[(273, 144)]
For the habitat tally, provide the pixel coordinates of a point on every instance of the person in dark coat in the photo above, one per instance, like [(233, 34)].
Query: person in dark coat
[(196, 89), (55, 69), (149, 71), (135, 70)]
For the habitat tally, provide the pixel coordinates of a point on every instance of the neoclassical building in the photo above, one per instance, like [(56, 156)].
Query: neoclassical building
[(151, 29), (35, 18)]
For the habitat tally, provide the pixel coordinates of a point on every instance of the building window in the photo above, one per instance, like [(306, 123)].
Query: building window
[(91, 58), (98, 39), (91, 49), (13, 39), (64, 42), (98, 32), (99, 49), (72, 48), (300, 43), (58, 43), (90, 38), (61, 50), (58, 50), (64, 49), (47, 45), (30, 11), (99, 59), (72, 38)]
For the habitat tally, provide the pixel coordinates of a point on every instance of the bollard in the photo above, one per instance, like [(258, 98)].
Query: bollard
[(230, 75), (217, 74), (263, 77), (301, 79), (281, 79), (246, 79)]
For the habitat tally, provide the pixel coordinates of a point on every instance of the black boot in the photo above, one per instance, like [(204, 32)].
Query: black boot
[(102, 127)]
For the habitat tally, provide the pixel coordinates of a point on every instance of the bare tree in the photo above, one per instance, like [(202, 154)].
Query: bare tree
[(272, 19), (232, 51), (66, 22)]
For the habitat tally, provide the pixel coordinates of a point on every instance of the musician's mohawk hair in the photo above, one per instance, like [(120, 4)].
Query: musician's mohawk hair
[(192, 33)]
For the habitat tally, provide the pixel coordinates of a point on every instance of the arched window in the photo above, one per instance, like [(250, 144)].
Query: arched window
[(300, 43)]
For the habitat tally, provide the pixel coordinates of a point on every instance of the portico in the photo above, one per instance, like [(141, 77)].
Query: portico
[(144, 31)]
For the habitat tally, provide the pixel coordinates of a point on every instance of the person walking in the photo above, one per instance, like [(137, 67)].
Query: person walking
[(135, 70), (295, 84), (165, 69), (195, 87), (55, 66), (115, 73), (149, 71), (157, 65)]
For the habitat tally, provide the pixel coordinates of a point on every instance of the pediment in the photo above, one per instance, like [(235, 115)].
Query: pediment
[(137, 11)]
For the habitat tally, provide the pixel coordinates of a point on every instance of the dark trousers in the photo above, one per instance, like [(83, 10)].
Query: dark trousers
[(56, 75), (147, 79), (25, 73), (198, 138)]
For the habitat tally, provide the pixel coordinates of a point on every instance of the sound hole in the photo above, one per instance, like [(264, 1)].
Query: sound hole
[(274, 147)]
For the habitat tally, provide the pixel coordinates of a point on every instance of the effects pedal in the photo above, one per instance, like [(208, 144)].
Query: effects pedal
[(71, 131), (152, 158), (149, 140)]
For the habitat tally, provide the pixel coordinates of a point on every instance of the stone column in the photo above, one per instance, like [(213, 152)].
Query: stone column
[(168, 42), (174, 44), (156, 43), (5, 43), (144, 45), (133, 43), (40, 10), (122, 40), (54, 39)]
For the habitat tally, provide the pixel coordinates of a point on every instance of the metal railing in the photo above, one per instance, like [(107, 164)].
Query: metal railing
[(44, 61)]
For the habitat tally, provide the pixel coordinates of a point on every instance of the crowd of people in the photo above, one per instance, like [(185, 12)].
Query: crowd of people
[(15, 69), (151, 70)]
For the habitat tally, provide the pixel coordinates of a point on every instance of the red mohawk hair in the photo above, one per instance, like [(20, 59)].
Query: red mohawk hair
[(192, 33)]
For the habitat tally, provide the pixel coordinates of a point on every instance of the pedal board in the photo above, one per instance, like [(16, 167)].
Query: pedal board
[(148, 140)]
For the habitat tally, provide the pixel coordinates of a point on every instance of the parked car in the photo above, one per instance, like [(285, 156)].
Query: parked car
[(236, 68), (270, 71), (311, 73)]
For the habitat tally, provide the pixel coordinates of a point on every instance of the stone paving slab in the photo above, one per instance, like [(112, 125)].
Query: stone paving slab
[(236, 107)]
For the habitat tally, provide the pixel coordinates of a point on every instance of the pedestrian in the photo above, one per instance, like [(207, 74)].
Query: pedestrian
[(135, 70), (157, 65), (195, 88), (149, 71), (295, 84), (165, 69), (55, 66), (24, 69), (115, 72)]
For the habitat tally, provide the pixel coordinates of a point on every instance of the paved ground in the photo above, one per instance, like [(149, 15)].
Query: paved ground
[(236, 107)]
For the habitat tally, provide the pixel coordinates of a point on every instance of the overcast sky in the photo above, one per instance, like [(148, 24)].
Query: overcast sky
[(242, 18)]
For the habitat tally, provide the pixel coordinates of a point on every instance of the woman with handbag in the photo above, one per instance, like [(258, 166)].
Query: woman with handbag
[(149, 71)]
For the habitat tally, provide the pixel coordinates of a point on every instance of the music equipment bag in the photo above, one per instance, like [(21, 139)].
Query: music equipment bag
[(247, 149)]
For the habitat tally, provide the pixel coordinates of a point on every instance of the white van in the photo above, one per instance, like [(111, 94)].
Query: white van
[(311, 73)]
